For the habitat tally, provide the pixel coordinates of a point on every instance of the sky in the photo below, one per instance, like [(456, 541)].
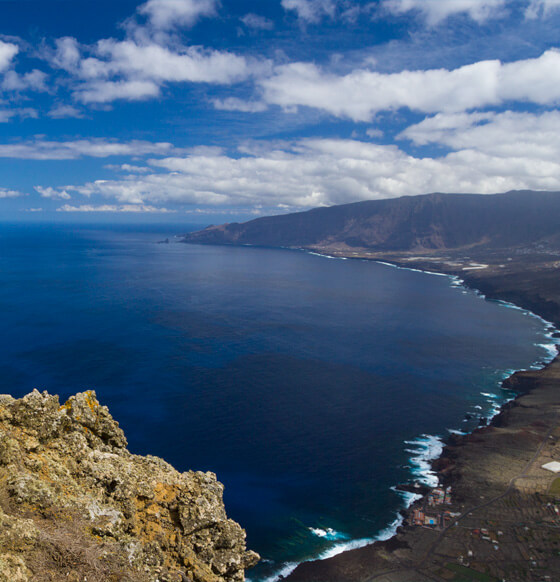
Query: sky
[(208, 111)]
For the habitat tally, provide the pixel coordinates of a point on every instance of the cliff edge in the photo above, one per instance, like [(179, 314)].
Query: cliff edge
[(75, 504)]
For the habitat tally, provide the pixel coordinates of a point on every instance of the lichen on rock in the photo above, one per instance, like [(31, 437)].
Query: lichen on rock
[(75, 504)]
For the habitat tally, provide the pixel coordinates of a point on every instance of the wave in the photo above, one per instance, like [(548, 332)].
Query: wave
[(551, 349), (343, 546), (328, 534), (427, 449), (456, 431), (326, 256)]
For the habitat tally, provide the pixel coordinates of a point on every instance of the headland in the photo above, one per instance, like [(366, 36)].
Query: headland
[(76, 505)]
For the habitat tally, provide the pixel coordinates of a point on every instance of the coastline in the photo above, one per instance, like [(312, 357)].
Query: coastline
[(371, 561)]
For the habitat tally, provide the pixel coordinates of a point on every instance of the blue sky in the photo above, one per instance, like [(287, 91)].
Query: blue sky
[(222, 110)]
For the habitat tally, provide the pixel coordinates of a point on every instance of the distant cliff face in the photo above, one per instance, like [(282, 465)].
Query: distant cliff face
[(433, 221), (76, 505)]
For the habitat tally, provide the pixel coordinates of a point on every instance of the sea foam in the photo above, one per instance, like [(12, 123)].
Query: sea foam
[(328, 533), (426, 449)]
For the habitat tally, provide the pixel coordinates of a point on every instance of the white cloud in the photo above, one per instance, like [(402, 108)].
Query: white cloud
[(168, 14), (8, 51), (54, 194), (66, 55), (159, 64), (311, 11), (41, 149), (108, 91), (11, 80), (23, 113), (65, 111), (128, 168), (34, 81), (136, 70), (440, 127), (541, 8), (235, 104), (7, 193), (361, 93), (316, 172), (435, 11), (257, 22), (500, 135), (113, 208)]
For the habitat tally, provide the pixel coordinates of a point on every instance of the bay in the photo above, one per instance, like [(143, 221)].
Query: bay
[(303, 382)]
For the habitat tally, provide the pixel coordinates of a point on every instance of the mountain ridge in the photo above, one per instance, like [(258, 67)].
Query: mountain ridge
[(427, 222)]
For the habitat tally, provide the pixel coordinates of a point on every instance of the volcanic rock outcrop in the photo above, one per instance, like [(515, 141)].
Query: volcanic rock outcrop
[(75, 504)]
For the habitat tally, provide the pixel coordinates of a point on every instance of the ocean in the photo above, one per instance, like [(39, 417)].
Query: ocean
[(310, 386)]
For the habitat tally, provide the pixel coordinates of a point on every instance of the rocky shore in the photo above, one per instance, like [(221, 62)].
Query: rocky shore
[(76, 505), (504, 520)]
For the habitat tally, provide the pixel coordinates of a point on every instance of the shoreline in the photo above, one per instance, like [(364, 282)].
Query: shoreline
[(306, 570)]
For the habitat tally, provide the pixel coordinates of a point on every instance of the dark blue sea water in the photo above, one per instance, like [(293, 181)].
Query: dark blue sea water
[(298, 379)]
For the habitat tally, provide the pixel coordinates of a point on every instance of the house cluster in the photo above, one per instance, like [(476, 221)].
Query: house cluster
[(488, 536), (431, 514), (439, 496)]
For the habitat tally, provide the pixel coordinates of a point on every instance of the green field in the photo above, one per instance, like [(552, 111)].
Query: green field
[(555, 487), (464, 574)]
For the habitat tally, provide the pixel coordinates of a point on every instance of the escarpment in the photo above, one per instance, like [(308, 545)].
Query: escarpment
[(75, 504)]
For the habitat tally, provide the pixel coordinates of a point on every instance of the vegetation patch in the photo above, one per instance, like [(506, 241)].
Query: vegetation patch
[(464, 574), (555, 487)]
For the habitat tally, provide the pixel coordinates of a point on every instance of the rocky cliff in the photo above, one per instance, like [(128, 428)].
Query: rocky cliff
[(76, 505)]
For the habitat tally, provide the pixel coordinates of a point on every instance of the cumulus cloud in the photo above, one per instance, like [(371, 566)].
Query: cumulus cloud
[(7, 193), (41, 149), (435, 11), (362, 93), (108, 91), (136, 70), (311, 11), (257, 22), (541, 8), (53, 193), (316, 172), (8, 51), (506, 135), (158, 63), (66, 54), (12, 81), (168, 14), (34, 81)]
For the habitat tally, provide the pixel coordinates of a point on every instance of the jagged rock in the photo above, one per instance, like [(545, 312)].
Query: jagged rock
[(75, 504)]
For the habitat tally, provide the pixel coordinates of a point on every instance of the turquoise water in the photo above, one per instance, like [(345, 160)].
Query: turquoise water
[(308, 385)]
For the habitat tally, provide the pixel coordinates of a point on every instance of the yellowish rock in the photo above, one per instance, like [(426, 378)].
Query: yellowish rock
[(76, 504)]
